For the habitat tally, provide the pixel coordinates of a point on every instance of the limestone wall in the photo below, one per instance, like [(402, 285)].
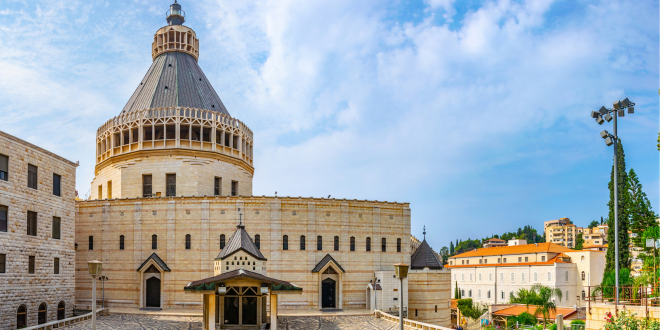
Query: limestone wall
[(597, 313), (205, 219), (429, 296), (17, 287)]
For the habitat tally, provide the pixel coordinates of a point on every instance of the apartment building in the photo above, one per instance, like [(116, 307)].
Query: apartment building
[(493, 275), (561, 232), (494, 242)]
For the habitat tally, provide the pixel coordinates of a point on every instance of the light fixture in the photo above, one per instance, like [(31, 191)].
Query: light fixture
[(595, 114), (222, 289), (604, 134), (631, 109), (401, 270), (609, 141), (625, 102), (95, 268), (608, 117), (621, 113), (264, 290), (603, 110), (616, 105), (600, 120)]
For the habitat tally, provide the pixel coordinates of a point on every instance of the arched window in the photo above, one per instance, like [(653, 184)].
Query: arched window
[(512, 277), (187, 241), (463, 293), (222, 241), (479, 277), (398, 245), (336, 243), (511, 295), (319, 243), (583, 276), (522, 277), (352, 243), (582, 258), (536, 277), (566, 276), (488, 294), (61, 313), (501, 277), (368, 244), (302, 243), (502, 294), (469, 293), (21, 317), (154, 242), (566, 295), (454, 277), (383, 243), (490, 277), (91, 243), (470, 277), (257, 241), (285, 242), (549, 277), (584, 295), (479, 293), (121, 242), (42, 316), (462, 277)]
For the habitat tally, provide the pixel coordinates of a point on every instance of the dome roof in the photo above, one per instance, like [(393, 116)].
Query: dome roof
[(175, 80)]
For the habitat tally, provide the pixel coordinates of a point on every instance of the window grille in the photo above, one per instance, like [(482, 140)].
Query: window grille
[(336, 243), (4, 167), (285, 242), (121, 242), (57, 180), (352, 243), (187, 241), (147, 186), (398, 245), (302, 243), (56, 227), (32, 223), (368, 244), (383, 243), (56, 266), (32, 176), (170, 190), (257, 241), (154, 242), (4, 214), (222, 241)]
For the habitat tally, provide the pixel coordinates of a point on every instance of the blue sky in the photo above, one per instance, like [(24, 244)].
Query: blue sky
[(475, 112)]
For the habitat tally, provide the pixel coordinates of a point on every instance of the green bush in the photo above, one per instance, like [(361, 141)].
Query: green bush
[(578, 322), (552, 327)]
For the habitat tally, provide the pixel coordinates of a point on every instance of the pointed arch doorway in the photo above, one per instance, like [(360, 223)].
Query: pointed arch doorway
[(329, 278), (328, 293)]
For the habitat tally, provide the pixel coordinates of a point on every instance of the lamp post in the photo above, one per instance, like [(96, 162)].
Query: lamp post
[(401, 271), (103, 278), (618, 109), (94, 267)]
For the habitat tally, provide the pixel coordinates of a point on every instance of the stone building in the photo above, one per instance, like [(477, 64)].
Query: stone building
[(492, 275), (37, 228), (173, 179)]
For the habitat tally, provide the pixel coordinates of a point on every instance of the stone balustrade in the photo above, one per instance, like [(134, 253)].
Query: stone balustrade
[(407, 323)]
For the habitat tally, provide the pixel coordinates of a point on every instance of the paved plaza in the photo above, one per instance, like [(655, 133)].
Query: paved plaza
[(126, 321)]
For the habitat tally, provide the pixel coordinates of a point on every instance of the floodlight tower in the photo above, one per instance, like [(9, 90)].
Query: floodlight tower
[(618, 109)]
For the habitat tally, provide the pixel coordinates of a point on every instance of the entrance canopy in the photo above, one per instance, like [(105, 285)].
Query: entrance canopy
[(212, 283)]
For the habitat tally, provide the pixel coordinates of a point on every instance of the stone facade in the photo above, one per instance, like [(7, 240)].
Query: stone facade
[(206, 218), (18, 286), (429, 296), (597, 313)]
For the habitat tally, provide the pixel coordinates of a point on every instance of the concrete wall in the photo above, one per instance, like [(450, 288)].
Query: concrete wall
[(206, 218), (17, 287)]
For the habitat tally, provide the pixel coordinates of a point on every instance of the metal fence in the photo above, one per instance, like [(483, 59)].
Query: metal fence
[(628, 295)]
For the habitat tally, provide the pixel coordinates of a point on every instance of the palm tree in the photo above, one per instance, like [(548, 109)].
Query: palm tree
[(541, 297)]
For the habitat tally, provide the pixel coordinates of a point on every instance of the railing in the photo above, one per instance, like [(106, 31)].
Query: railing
[(408, 323), (64, 322), (645, 296)]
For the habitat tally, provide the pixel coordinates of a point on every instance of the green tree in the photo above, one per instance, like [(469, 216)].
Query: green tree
[(623, 199), (471, 310), (540, 297), (451, 248), (444, 251), (593, 224), (579, 242), (640, 212), (457, 293)]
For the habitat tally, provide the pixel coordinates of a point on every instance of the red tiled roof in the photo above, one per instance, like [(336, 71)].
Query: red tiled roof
[(557, 259), (515, 249), (519, 309)]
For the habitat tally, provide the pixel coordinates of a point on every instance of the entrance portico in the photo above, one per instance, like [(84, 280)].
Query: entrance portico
[(152, 273), (330, 282)]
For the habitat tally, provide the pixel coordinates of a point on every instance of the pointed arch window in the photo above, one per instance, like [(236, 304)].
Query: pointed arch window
[(302, 243), (352, 243), (398, 245), (187, 241), (121, 242), (383, 243), (319, 243), (368, 244), (285, 242), (257, 241), (336, 243), (154, 242), (222, 241)]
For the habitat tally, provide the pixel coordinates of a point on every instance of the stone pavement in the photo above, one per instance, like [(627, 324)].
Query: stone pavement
[(127, 321)]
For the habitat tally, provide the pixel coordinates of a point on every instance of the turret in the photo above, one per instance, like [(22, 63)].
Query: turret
[(175, 16)]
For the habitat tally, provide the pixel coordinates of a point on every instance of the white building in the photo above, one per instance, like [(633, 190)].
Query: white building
[(492, 275)]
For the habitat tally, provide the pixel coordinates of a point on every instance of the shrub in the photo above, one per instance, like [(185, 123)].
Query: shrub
[(578, 322)]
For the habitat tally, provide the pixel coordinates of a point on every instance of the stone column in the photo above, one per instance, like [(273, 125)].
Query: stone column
[(208, 302), (273, 311)]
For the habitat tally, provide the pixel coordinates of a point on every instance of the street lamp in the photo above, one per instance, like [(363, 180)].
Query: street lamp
[(103, 278), (618, 109), (94, 270), (401, 272)]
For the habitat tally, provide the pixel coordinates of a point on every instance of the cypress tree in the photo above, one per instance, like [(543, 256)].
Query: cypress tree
[(451, 248), (622, 183), (640, 211), (457, 294)]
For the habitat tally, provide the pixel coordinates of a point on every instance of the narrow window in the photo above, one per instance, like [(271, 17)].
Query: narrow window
[(368, 244), (91, 243), (60, 311), (32, 176), (336, 243), (217, 187), (57, 180), (319, 243), (398, 245), (187, 241), (488, 294), (542, 258), (56, 227), (222, 241), (549, 277), (146, 185), (56, 266), (4, 167), (170, 190), (109, 190), (121, 242), (31, 265), (504, 260), (416, 310), (436, 308), (519, 259), (285, 242), (584, 295), (257, 241), (154, 242), (536, 277), (502, 294), (526, 259), (42, 314), (4, 211), (583, 276), (3, 263), (100, 192), (302, 243), (566, 277), (234, 188), (383, 247), (21, 317), (352, 243), (32, 223)]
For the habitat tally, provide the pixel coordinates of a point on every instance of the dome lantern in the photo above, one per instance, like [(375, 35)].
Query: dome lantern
[(175, 16)]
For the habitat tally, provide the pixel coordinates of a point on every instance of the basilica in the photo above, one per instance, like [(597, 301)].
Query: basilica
[(173, 180)]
